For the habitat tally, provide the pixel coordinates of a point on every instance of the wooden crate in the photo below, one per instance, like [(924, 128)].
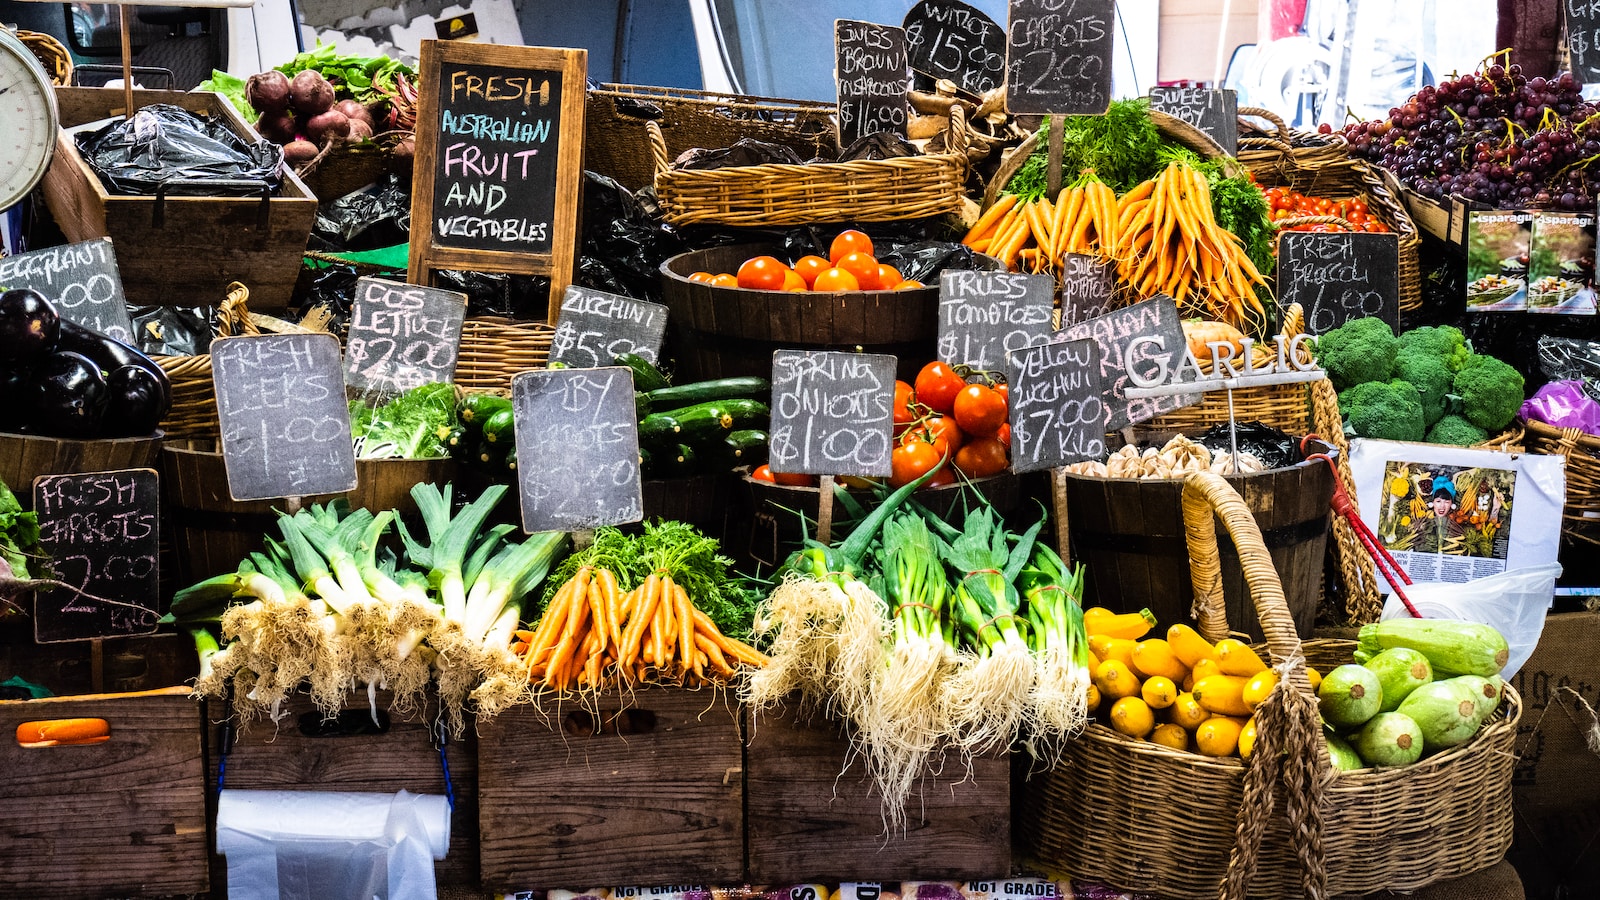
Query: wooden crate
[(1446, 221), (124, 818), (659, 802), (180, 251), (283, 758), (810, 818), (24, 457)]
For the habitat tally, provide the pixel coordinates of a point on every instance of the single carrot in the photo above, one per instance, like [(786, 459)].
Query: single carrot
[(597, 609), (613, 605), (709, 647), (685, 624), (991, 217), (639, 618), (525, 637), (739, 650), (1072, 199)]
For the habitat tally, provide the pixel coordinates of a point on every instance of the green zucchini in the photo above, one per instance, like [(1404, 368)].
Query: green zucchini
[(641, 404), (678, 463), (659, 430), (500, 428), (647, 463), (748, 387), (705, 421), (646, 377), (511, 461), (459, 442), (745, 447), (477, 408), (489, 457)]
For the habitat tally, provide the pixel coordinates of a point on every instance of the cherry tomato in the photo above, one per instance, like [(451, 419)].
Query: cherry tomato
[(1004, 390), (937, 386), (982, 457), (979, 410), (763, 473), (904, 396), (910, 461)]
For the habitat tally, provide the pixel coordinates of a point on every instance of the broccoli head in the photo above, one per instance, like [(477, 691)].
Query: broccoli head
[(1456, 431), (1444, 341), (1358, 351), (1386, 410), (1490, 391), (1430, 375)]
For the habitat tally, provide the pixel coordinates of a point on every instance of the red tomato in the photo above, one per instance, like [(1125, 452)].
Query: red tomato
[(942, 478), (982, 457), (724, 280), (835, 279), (863, 267), (704, 277), (888, 277), (1004, 435), (979, 410), (1004, 390), (762, 273), (904, 396), (763, 473), (809, 267), (937, 386), (939, 431), (793, 479), (910, 284), (793, 282), (910, 461), (849, 242)]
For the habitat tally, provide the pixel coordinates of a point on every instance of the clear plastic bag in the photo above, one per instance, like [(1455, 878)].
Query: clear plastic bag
[(1514, 602)]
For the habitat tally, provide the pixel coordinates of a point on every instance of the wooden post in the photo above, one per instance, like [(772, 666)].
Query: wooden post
[(291, 505), (825, 511), (1058, 498), (97, 665), (127, 61), (1053, 161)]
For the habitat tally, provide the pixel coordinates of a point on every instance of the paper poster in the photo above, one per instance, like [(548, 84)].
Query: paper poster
[(1456, 514), (1498, 249)]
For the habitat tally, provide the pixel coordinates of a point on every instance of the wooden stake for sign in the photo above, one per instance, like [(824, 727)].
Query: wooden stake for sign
[(825, 511), (1053, 160), (1058, 499), (97, 665), (465, 157), (127, 64)]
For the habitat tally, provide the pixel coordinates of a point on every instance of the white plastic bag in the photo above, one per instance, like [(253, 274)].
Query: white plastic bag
[(1514, 601)]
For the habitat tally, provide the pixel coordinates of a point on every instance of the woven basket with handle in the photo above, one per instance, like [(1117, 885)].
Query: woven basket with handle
[(1320, 165), (1145, 817), (194, 396), (879, 190), (493, 349), (1580, 518), (51, 53)]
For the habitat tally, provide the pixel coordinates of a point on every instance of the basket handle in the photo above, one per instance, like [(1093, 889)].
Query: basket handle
[(1252, 143), (1285, 224), (1278, 124), (234, 313), (960, 140), (1203, 494), (658, 147)]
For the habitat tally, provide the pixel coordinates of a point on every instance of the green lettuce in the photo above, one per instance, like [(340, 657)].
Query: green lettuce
[(413, 425)]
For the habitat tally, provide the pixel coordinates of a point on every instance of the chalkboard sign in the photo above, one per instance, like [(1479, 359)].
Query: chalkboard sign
[(1057, 413), (402, 336), (1340, 276), (982, 315), (100, 531), (872, 75), (1058, 57), (577, 447), (595, 327), (1215, 112), (1157, 317), (499, 153), (80, 279), (832, 413), (285, 423), (1087, 283), (1583, 38), (949, 39)]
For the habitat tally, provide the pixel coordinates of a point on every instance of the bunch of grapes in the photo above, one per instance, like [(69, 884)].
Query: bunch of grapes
[(1494, 137)]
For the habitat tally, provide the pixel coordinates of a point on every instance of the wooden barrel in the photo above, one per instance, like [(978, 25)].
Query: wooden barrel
[(717, 332), (1128, 533), (24, 457), (212, 532)]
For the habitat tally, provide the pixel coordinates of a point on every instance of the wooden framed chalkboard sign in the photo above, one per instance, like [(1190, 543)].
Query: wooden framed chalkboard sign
[(499, 161), (100, 529)]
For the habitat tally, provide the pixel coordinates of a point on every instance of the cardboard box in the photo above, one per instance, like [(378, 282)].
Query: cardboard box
[(179, 251)]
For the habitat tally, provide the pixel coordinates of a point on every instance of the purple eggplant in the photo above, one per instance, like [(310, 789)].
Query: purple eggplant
[(110, 355), (134, 403), (29, 327), (66, 397)]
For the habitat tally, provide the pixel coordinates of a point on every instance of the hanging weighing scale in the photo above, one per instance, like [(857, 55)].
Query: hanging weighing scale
[(28, 107)]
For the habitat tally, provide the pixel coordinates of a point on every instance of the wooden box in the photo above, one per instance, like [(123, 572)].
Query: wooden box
[(180, 251), (636, 789), (809, 817), (299, 754), (123, 818), (1446, 220)]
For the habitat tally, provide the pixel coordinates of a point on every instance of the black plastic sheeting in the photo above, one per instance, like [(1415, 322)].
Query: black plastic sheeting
[(192, 155)]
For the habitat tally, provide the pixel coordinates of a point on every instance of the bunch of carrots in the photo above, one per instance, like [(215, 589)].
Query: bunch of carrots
[(1162, 235), (593, 636)]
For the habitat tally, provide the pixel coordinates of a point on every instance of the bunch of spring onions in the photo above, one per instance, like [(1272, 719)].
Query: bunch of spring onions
[(929, 639), (330, 604)]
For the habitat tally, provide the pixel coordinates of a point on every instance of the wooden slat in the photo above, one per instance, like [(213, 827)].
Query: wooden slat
[(812, 819), (121, 818), (560, 807)]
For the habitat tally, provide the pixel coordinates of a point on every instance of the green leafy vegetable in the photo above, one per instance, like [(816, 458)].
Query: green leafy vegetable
[(365, 78), (232, 87), (413, 425), (19, 534), (1121, 146)]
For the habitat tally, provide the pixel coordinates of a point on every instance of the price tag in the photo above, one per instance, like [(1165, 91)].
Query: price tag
[(949, 39), (402, 336), (1214, 112), (285, 422), (1087, 283), (832, 413), (1057, 414), (100, 531), (1340, 276), (1058, 58), (596, 327), (1157, 319), (872, 75), (984, 315), (577, 448), (82, 282)]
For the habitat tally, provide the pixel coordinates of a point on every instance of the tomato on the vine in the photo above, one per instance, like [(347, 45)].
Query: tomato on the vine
[(942, 478), (910, 461), (1004, 435), (937, 385), (904, 396), (941, 432), (979, 410), (982, 457)]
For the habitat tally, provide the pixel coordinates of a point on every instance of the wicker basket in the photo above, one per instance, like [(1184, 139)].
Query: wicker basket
[(885, 190), (52, 54), (616, 144), (1321, 165), (194, 396), (341, 168), (1580, 519), (493, 349), (1148, 818)]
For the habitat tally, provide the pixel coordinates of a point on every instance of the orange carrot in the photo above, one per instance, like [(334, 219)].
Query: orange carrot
[(991, 218)]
